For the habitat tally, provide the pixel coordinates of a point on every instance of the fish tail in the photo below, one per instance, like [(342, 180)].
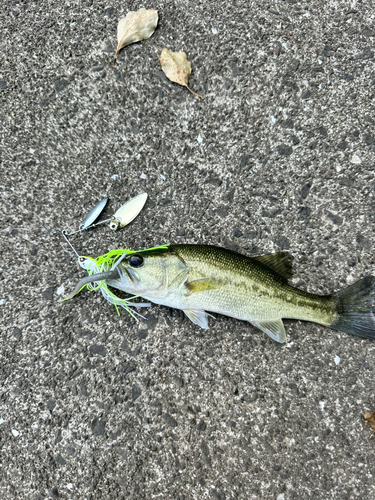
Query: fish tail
[(355, 309)]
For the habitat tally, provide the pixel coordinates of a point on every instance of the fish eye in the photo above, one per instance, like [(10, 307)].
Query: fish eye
[(82, 259), (135, 261)]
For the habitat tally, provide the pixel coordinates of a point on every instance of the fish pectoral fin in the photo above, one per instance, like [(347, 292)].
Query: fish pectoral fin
[(274, 329), (280, 262), (199, 318), (203, 285)]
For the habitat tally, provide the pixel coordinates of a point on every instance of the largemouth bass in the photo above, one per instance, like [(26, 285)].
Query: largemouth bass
[(201, 279)]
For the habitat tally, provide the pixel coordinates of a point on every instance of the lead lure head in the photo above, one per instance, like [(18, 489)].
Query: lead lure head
[(87, 264)]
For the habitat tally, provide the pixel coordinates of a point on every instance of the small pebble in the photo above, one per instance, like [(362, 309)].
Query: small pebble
[(356, 159)]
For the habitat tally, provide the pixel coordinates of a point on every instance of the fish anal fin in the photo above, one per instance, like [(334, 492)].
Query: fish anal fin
[(280, 262), (203, 285), (199, 318), (274, 329)]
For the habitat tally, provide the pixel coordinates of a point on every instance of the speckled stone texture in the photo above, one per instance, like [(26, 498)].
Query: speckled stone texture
[(279, 155)]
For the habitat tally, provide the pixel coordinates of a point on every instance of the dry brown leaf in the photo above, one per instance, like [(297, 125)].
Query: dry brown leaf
[(136, 26), (176, 67), (370, 419)]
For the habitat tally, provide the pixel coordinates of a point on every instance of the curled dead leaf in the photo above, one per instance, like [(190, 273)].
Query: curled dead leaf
[(370, 419), (176, 67), (136, 26)]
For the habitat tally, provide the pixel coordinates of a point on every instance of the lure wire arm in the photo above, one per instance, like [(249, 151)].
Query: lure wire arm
[(92, 225), (65, 234)]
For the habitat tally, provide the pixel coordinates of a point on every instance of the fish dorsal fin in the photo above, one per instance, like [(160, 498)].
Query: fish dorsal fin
[(203, 285), (199, 318), (280, 262), (274, 329)]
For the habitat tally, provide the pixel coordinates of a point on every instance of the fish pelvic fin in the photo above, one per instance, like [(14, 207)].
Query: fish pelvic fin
[(355, 309), (274, 329), (199, 318), (280, 262)]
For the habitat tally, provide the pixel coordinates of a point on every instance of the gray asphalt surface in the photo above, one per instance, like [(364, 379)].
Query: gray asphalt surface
[(279, 155)]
